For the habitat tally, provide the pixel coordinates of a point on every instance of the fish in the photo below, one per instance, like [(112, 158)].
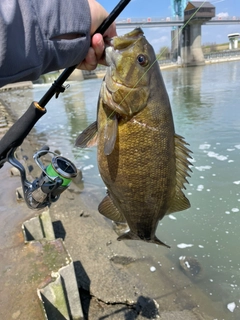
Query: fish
[(141, 160)]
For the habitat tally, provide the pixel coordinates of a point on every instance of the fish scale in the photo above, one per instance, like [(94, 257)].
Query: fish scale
[(141, 160)]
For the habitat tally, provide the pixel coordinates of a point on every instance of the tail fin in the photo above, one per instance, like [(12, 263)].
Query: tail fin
[(131, 236)]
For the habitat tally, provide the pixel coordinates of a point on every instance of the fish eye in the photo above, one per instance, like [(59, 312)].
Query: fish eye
[(142, 60)]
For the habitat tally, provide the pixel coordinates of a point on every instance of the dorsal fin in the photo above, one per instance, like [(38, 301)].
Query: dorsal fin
[(182, 153)]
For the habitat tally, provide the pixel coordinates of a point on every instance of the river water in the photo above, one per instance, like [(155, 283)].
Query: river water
[(206, 109)]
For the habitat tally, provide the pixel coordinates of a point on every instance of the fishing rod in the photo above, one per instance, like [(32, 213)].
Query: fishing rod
[(57, 176)]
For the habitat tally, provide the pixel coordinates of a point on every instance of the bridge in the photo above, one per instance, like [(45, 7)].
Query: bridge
[(186, 21), (170, 22)]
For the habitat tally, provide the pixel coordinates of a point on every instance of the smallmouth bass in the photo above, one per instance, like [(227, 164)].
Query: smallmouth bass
[(142, 161)]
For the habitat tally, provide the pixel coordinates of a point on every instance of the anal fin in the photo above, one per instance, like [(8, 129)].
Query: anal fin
[(109, 210)]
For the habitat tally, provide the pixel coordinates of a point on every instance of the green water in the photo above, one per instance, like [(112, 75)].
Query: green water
[(206, 109)]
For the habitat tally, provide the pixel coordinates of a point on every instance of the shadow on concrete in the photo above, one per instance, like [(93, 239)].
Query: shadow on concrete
[(145, 307), (59, 229), (83, 283), (51, 311), (28, 235)]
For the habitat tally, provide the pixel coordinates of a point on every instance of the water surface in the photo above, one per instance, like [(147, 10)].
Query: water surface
[(205, 103)]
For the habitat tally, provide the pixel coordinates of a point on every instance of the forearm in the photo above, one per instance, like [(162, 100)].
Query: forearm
[(39, 36)]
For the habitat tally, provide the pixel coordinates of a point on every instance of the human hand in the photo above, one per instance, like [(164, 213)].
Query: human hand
[(95, 52)]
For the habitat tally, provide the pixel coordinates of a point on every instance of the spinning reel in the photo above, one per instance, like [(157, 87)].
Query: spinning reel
[(54, 179)]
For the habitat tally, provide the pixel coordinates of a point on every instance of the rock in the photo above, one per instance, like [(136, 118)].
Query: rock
[(191, 267)]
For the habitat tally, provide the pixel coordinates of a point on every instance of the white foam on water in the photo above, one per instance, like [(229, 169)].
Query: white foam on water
[(152, 269), (235, 210), (172, 217), (200, 187), (212, 154), (204, 146), (86, 157), (184, 245), (230, 161), (203, 168), (230, 149), (200, 246), (237, 146), (182, 257), (236, 182), (88, 167), (231, 306)]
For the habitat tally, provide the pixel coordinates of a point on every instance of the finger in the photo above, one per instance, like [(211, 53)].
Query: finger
[(90, 61), (98, 45)]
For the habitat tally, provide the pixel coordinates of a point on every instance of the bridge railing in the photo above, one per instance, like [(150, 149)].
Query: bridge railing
[(168, 20), (147, 20), (226, 18)]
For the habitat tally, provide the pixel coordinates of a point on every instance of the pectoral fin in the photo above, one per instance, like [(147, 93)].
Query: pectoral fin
[(110, 134), (180, 202), (87, 138), (109, 210)]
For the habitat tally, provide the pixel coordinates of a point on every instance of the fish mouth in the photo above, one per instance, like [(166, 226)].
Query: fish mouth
[(119, 89), (127, 40), (113, 52)]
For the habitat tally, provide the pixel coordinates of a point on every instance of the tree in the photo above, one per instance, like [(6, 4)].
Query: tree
[(164, 53)]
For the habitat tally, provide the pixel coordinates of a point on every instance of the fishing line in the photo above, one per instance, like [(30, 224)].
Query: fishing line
[(157, 57)]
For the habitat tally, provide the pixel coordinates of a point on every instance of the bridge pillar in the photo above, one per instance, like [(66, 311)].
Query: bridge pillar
[(191, 49), (196, 13), (176, 43)]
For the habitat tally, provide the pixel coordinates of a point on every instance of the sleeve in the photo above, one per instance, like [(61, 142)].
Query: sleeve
[(39, 36)]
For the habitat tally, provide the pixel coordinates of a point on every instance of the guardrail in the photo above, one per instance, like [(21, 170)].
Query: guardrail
[(222, 54)]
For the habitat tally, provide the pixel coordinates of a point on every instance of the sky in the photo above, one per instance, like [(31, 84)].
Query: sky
[(160, 37)]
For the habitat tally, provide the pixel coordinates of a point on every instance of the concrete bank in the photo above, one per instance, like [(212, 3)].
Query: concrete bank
[(114, 278)]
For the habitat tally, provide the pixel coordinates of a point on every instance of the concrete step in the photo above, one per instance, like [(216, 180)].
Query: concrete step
[(39, 227), (60, 296)]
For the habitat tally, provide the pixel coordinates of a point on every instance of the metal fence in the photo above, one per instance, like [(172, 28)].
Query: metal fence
[(223, 54)]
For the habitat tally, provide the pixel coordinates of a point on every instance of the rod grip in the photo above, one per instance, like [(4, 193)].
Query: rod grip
[(20, 129)]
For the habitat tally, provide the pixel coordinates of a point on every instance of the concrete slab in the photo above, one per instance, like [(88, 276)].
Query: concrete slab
[(60, 296)]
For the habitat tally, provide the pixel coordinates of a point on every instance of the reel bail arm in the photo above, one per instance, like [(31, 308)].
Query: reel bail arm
[(54, 179)]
